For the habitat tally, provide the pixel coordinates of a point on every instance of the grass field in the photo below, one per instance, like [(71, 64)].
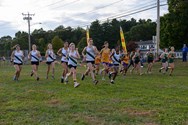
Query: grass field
[(154, 99)]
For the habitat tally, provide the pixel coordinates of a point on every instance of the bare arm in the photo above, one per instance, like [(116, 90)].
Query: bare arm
[(46, 54), (12, 56), (29, 55), (59, 52), (39, 55), (83, 51), (112, 53)]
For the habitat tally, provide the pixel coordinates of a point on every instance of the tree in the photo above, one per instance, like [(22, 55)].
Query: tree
[(143, 31), (174, 30), (96, 33), (82, 44), (131, 46), (57, 43), (41, 45), (21, 38)]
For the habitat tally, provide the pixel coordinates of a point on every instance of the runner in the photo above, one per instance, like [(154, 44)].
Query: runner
[(91, 51), (131, 62), (105, 59), (164, 59), (171, 57), (17, 57), (64, 61), (73, 55), (137, 64), (150, 59), (115, 56), (50, 60), (35, 56), (125, 62)]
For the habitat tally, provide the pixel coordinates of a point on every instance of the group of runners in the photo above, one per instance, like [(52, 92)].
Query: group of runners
[(113, 61)]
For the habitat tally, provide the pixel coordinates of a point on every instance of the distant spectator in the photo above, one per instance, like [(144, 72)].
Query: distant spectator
[(184, 52)]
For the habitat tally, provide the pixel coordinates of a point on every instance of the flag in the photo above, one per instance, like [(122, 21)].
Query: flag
[(87, 33), (123, 40)]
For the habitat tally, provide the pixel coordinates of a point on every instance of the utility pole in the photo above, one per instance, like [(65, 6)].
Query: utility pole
[(28, 18), (158, 26)]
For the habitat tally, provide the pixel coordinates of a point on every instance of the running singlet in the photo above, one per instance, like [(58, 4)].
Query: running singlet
[(126, 59), (105, 55), (51, 57), (64, 53), (34, 56), (150, 56), (97, 59), (171, 57), (164, 57), (137, 57), (90, 53), (18, 57), (116, 58), (72, 61)]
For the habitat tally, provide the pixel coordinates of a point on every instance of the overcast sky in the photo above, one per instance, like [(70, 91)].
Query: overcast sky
[(52, 13)]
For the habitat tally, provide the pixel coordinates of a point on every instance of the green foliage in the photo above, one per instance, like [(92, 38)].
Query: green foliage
[(57, 43), (82, 44), (41, 45), (100, 32), (174, 30), (143, 31)]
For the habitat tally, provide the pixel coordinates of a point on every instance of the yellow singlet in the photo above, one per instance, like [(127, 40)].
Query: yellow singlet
[(105, 55)]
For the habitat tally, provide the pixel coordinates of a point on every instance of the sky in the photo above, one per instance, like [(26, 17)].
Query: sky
[(49, 14)]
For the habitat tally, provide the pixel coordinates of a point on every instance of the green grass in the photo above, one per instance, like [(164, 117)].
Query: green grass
[(139, 100)]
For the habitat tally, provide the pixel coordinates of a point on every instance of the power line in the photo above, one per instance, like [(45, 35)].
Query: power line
[(105, 6), (132, 10), (139, 11)]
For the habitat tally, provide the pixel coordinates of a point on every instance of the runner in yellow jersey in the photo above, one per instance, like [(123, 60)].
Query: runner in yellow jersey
[(125, 62), (105, 59)]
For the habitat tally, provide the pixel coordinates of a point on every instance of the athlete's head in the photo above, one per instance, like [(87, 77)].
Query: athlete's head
[(17, 47), (72, 46), (90, 41), (151, 49), (137, 50), (34, 47), (49, 46), (117, 48), (106, 44), (166, 50), (172, 48), (66, 44)]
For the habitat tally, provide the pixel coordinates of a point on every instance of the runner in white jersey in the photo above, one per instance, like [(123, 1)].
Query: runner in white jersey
[(91, 52), (115, 56), (73, 55), (50, 58), (17, 58), (34, 56), (64, 60)]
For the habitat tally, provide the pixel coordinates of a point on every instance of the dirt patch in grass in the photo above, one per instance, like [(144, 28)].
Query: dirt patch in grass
[(54, 102), (136, 112), (30, 91), (90, 120), (150, 123)]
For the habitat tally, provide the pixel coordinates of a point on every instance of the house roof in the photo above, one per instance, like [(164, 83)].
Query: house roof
[(144, 42)]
